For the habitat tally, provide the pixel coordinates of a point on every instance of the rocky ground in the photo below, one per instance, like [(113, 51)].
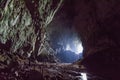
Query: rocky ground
[(42, 71)]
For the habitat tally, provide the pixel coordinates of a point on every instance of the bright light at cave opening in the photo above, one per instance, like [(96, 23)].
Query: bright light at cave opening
[(78, 48), (68, 47)]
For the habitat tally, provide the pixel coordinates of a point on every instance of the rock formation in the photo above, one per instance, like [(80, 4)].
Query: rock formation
[(98, 24), (23, 26)]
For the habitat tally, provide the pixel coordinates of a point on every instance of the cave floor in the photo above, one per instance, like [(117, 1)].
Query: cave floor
[(43, 71), (57, 71)]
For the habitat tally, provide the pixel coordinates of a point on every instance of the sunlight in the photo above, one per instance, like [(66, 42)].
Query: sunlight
[(79, 48), (68, 47)]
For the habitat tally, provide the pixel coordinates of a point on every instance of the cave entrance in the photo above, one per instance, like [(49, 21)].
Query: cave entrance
[(71, 53), (66, 43)]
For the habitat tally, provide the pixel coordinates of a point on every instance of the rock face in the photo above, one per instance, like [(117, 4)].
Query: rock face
[(98, 24), (43, 71), (23, 25)]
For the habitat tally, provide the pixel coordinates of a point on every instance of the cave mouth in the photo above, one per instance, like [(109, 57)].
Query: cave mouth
[(78, 48), (71, 52)]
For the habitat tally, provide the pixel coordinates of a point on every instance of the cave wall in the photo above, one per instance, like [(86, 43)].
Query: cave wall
[(98, 24)]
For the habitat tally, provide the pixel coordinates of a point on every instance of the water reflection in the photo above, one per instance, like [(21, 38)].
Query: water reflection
[(84, 76)]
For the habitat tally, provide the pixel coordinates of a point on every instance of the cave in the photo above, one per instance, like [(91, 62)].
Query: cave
[(59, 39)]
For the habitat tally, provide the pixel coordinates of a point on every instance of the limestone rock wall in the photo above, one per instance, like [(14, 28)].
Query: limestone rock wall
[(98, 24)]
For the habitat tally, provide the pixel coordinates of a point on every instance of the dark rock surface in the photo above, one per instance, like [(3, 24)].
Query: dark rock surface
[(42, 71), (98, 24)]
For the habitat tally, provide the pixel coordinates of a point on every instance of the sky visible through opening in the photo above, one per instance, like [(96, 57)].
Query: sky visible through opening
[(77, 50), (76, 47)]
